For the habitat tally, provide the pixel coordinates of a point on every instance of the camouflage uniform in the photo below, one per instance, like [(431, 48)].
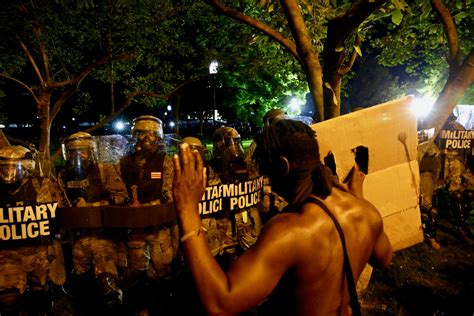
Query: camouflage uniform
[(148, 175), (430, 168), (454, 171), (231, 232), (27, 263), (95, 251)]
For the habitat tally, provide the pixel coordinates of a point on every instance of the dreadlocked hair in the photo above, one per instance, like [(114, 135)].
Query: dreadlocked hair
[(292, 139), (297, 142)]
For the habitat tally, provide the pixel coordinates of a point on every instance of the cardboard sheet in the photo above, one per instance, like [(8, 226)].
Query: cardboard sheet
[(392, 184)]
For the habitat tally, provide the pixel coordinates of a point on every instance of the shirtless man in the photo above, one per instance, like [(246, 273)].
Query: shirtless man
[(298, 253)]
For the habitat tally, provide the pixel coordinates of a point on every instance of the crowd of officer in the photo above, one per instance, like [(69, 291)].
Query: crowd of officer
[(111, 242)]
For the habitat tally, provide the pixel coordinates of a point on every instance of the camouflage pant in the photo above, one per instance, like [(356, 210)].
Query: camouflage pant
[(428, 213), (221, 236), (104, 255), (33, 266), (153, 251)]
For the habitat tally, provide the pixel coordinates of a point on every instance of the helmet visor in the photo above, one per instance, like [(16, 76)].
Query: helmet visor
[(234, 146), (11, 171)]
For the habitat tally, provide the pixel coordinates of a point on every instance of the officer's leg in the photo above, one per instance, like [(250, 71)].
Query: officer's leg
[(105, 257), (459, 214), (12, 281)]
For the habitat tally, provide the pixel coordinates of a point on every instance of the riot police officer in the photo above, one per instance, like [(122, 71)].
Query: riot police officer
[(430, 168), (31, 258), (238, 225), (97, 253), (454, 172), (148, 173)]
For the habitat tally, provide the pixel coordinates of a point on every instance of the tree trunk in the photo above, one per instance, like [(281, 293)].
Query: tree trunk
[(332, 95), (43, 106), (454, 89), (308, 56)]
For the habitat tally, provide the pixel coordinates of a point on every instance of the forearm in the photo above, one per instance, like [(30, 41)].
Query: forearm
[(211, 282)]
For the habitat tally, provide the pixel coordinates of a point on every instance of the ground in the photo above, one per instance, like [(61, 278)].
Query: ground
[(425, 281)]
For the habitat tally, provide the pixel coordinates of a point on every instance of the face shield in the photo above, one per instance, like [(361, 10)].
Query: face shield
[(233, 147), (195, 144), (148, 133), (13, 171), (16, 163), (147, 141), (227, 144), (79, 152)]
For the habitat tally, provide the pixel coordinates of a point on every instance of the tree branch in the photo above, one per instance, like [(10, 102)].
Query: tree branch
[(22, 84), (262, 27), (60, 101), (341, 27), (44, 55), (450, 30), (343, 70), (86, 71), (33, 63)]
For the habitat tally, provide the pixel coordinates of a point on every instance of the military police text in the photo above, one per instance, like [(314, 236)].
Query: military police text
[(240, 194), (26, 222)]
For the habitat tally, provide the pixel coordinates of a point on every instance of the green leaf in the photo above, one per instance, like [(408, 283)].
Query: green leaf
[(397, 17), (339, 49), (357, 49)]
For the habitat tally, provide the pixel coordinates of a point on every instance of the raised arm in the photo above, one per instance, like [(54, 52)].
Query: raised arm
[(251, 277)]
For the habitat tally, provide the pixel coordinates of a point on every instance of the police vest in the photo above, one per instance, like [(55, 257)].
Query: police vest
[(90, 187), (148, 178)]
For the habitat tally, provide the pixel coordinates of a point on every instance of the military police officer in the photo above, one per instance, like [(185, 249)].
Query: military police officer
[(96, 252), (147, 173), (31, 258)]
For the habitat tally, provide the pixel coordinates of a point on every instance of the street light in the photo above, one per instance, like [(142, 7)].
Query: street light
[(213, 66)]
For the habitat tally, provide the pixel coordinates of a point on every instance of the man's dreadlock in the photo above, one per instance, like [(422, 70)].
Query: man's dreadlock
[(297, 142), (292, 139)]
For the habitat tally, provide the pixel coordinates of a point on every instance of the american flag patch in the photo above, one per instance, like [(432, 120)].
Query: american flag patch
[(155, 175)]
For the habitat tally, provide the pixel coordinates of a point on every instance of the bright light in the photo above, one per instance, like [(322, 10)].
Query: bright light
[(119, 125), (422, 106), (295, 106), (213, 67), (73, 118), (168, 107), (171, 124)]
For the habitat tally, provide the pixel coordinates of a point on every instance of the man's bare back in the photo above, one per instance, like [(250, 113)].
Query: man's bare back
[(315, 256), (300, 251)]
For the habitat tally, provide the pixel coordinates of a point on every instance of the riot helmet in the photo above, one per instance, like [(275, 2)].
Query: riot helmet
[(195, 144), (227, 142), (148, 133), (80, 146), (79, 151), (16, 164), (273, 116)]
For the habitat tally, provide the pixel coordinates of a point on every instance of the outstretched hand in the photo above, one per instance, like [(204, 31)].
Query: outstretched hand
[(189, 182)]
